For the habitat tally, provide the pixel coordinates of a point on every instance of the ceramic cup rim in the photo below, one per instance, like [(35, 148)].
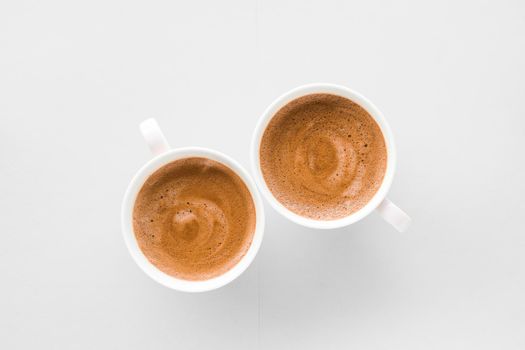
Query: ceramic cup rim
[(342, 91), (127, 223)]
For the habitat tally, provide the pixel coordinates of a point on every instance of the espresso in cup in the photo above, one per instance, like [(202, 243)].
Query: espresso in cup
[(194, 218), (323, 156)]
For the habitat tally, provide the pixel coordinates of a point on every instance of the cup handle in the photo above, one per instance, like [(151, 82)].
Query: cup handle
[(394, 215), (154, 137)]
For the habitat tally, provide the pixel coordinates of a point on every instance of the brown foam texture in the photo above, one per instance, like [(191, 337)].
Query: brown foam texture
[(194, 218), (323, 156)]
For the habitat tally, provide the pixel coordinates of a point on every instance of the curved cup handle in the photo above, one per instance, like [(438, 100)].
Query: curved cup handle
[(394, 215), (154, 137)]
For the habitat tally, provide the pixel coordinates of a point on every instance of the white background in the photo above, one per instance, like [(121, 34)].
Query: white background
[(76, 78)]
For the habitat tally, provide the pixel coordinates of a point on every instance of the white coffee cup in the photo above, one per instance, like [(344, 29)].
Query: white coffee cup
[(163, 155), (388, 210)]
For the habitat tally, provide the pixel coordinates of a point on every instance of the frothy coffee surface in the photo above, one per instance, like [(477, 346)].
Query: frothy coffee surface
[(194, 218), (323, 156)]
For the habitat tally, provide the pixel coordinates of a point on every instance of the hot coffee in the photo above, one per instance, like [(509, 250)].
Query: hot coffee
[(323, 156), (194, 218)]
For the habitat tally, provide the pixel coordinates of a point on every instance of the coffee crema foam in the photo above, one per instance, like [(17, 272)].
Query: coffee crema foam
[(194, 218), (323, 156)]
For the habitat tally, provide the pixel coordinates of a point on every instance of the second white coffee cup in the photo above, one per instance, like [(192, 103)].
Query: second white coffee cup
[(164, 155), (388, 210)]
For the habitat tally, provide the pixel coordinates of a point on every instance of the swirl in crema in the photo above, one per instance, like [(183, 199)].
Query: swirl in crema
[(323, 156), (194, 218)]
